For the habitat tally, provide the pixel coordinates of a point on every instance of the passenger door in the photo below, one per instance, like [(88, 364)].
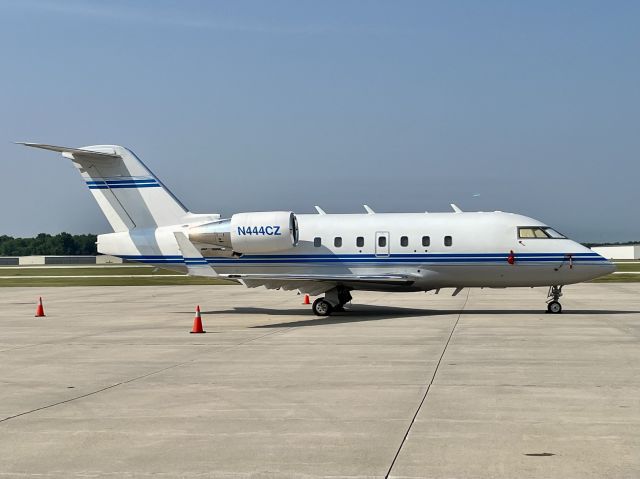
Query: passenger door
[(382, 243)]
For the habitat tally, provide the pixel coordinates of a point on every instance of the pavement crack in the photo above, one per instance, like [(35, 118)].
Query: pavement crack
[(137, 378), (424, 397)]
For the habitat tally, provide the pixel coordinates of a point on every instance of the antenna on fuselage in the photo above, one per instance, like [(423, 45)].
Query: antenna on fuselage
[(455, 208), (320, 210), (369, 210)]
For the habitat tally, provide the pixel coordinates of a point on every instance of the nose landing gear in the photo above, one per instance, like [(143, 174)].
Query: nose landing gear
[(553, 305)]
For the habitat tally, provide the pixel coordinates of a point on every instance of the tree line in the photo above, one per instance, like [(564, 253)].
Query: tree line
[(46, 244)]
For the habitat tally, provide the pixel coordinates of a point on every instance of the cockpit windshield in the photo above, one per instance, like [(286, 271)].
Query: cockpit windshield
[(539, 232), (554, 234)]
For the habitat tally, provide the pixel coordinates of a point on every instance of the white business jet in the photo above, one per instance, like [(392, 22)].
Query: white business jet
[(329, 254)]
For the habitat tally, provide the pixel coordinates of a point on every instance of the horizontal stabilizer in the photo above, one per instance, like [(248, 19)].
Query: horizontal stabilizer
[(73, 151)]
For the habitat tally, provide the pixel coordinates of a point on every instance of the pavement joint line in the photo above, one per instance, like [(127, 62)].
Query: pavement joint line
[(73, 338), (433, 376), (621, 327), (137, 378), (82, 336), (69, 340)]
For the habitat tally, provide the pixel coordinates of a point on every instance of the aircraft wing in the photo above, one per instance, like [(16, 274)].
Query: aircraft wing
[(306, 283), (337, 278), (316, 284), (193, 259)]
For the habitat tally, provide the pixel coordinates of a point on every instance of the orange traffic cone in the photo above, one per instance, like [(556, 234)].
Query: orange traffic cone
[(40, 310), (306, 299), (197, 323)]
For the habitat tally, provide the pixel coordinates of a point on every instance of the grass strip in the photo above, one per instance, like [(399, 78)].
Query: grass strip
[(146, 281), (83, 271), (618, 278)]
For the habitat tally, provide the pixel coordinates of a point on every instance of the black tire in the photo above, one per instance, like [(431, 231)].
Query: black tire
[(322, 307), (554, 307)]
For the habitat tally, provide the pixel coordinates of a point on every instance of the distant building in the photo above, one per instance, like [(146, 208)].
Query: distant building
[(622, 251)]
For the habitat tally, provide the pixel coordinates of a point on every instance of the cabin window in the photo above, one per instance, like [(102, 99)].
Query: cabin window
[(317, 242), (448, 240), (360, 241), (382, 241), (426, 241), (337, 241), (404, 241)]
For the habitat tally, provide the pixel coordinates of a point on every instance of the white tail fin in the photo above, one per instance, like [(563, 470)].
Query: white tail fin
[(128, 193)]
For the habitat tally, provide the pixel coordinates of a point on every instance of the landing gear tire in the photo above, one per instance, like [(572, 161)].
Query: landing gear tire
[(322, 307), (554, 307)]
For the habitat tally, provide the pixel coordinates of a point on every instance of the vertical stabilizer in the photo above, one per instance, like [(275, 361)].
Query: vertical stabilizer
[(128, 193)]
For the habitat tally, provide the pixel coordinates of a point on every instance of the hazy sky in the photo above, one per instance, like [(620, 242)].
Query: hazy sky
[(260, 105)]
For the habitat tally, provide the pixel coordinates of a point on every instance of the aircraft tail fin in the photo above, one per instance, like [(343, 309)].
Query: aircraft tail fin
[(128, 193)]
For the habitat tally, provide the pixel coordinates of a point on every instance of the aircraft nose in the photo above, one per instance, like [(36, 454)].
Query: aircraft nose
[(600, 267), (593, 265), (609, 266)]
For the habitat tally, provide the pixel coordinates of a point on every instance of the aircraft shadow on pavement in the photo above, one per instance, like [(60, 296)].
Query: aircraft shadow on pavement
[(355, 315), (361, 313)]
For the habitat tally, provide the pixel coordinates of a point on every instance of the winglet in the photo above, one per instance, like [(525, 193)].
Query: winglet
[(193, 259), (369, 210), (455, 208), (320, 210)]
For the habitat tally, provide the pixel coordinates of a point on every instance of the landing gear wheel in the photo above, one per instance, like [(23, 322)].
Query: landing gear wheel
[(554, 294), (322, 307), (554, 307)]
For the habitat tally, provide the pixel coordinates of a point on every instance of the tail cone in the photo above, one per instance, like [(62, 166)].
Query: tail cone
[(197, 323), (40, 309)]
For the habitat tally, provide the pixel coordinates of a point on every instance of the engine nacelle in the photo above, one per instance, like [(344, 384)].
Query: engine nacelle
[(260, 232), (264, 232)]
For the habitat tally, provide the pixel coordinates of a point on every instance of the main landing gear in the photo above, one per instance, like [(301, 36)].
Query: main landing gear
[(322, 307), (334, 300), (553, 305)]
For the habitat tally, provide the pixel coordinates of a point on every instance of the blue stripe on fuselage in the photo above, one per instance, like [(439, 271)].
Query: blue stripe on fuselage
[(461, 258)]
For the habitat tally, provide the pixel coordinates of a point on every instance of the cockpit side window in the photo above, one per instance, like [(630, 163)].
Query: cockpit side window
[(539, 232)]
